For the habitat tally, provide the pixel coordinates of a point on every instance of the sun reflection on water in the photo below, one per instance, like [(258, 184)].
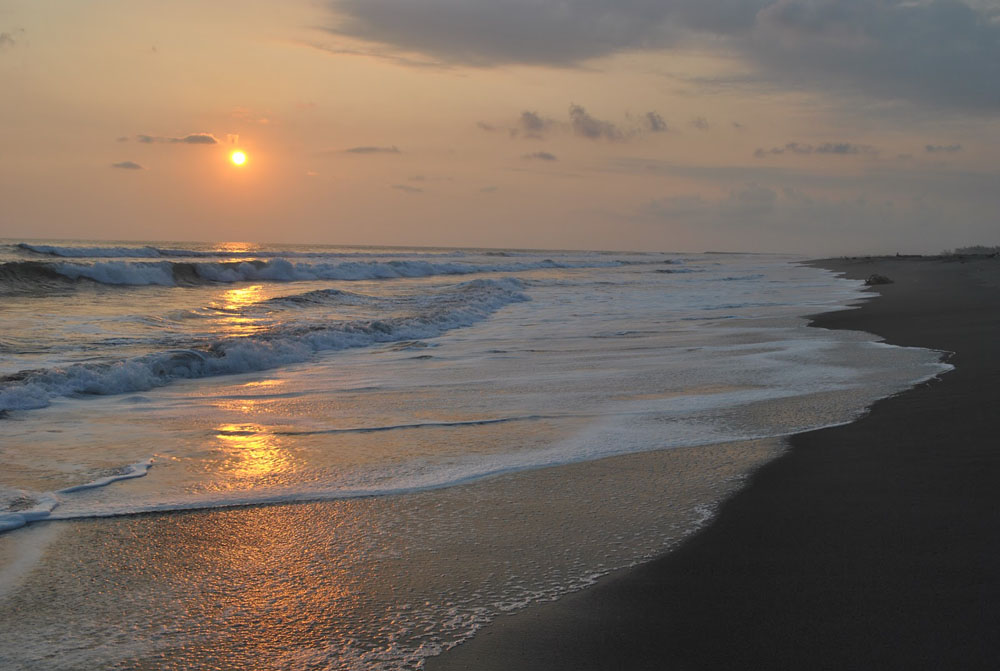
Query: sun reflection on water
[(237, 247), (252, 452), (233, 304)]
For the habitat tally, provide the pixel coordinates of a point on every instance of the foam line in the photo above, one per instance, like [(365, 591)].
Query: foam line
[(46, 503), (421, 425), (136, 470)]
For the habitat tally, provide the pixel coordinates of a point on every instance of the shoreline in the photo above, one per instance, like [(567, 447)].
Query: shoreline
[(867, 545)]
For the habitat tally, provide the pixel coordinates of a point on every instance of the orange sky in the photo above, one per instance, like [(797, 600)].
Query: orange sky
[(761, 125)]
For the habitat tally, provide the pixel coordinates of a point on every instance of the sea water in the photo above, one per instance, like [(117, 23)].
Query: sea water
[(380, 449)]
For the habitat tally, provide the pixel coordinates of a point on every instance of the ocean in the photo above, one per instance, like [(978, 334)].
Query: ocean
[(319, 457)]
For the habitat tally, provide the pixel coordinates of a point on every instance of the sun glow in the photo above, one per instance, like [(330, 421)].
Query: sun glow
[(238, 158)]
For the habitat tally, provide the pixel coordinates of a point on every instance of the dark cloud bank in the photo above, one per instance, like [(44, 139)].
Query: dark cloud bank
[(945, 52)]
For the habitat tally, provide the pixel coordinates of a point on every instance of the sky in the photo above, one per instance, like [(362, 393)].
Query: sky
[(820, 127)]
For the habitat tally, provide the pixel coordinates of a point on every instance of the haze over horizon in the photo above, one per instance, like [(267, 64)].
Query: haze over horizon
[(821, 127)]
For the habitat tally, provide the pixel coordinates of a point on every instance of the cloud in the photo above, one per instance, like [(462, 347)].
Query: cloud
[(942, 148), (837, 148), (579, 122), (942, 52), (701, 123), (585, 125), (496, 32), (406, 188), (655, 123), (489, 189), (7, 40), (193, 138), (385, 54), (845, 148), (533, 125), (541, 156), (127, 165), (373, 150)]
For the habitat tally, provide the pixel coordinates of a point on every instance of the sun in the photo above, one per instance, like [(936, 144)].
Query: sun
[(238, 157)]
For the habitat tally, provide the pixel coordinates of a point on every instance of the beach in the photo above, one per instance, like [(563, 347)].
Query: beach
[(867, 545)]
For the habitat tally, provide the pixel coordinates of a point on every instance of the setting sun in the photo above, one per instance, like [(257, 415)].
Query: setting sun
[(238, 157)]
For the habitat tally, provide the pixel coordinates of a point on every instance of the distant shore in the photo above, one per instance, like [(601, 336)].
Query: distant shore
[(872, 545)]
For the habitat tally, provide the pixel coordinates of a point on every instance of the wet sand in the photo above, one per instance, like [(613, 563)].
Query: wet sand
[(873, 545)]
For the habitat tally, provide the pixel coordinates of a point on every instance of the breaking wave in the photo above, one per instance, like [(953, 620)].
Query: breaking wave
[(24, 274), (444, 310)]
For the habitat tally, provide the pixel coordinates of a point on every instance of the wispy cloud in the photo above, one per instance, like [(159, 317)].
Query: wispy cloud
[(701, 123), (942, 148), (406, 188), (541, 156), (384, 54), (834, 148), (127, 165), (373, 150), (193, 138), (10, 38)]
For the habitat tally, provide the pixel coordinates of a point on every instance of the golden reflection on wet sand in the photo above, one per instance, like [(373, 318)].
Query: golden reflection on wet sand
[(252, 452), (353, 584)]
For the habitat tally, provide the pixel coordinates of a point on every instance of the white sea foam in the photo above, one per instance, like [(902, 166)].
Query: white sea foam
[(120, 272), (43, 504)]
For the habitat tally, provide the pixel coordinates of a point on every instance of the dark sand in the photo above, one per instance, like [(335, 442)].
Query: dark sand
[(874, 545)]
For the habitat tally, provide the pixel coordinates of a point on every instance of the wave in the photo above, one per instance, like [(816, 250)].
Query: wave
[(171, 273), (90, 252), (456, 307), (318, 297), (17, 277)]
